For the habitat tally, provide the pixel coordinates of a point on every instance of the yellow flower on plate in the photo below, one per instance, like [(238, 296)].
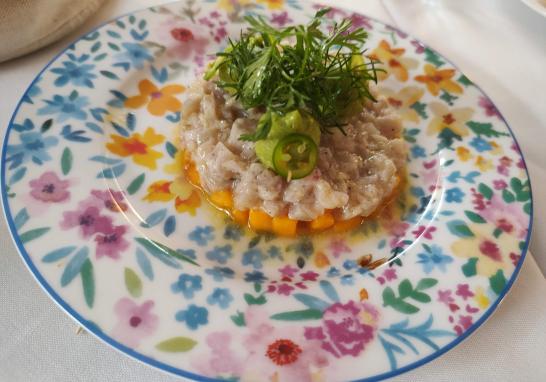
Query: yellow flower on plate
[(272, 4), (138, 146), (497, 149), (402, 101), (483, 164), (493, 253), (186, 197), (159, 191), (439, 79), (463, 153), (157, 101), (481, 298), (454, 119), (230, 5), (393, 61)]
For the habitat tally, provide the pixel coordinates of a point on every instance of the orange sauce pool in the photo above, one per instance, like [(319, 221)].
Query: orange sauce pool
[(259, 221)]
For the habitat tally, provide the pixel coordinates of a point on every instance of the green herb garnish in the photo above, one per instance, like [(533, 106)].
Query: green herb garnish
[(297, 68)]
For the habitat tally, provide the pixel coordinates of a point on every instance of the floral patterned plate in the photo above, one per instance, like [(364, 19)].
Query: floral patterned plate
[(94, 197)]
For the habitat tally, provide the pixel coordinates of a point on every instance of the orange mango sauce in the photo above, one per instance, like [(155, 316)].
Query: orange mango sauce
[(259, 221)]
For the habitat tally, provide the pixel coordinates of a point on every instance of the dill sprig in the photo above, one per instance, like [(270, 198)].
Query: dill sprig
[(297, 67)]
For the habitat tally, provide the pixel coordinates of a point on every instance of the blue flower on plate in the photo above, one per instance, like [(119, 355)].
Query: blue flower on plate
[(33, 91), (202, 235), (434, 258), (219, 273), (134, 53), (332, 272), (349, 264), (76, 74), (255, 277), (66, 107), (454, 195), (274, 252), (253, 257), (187, 285), (480, 144), (418, 151), (220, 254), (221, 297), (232, 232), (347, 280), (33, 147), (194, 316)]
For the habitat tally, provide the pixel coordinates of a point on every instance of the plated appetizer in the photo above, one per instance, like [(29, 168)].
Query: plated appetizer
[(287, 133)]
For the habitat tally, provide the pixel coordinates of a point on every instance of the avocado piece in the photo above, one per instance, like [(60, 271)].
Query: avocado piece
[(264, 151)]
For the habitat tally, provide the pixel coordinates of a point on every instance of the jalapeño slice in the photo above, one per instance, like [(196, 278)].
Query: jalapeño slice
[(295, 156)]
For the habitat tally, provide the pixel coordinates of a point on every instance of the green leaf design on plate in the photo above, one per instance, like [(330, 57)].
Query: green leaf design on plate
[(255, 300), (469, 269), (485, 129), (507, 196), (176, 345), (474, 217), (405, 291), (498, 282), (522, 190), (464, 80), (46, 125), (33, 234), (485, 190), (74, 266), (238, 319), (133, 283), (66, 161), (459, 228), (158, 249), (298, 315), (88, 282), (135, 184)]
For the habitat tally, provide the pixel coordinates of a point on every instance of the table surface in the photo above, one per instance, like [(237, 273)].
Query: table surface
[(499, 44)]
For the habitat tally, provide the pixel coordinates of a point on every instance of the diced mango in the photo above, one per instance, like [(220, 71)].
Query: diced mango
[(322, 222), (284, 226), (346, 225), (260, 221), (222, 199), (192, 175), (240, 217)]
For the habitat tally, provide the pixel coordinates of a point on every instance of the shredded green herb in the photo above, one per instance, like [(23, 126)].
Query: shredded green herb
[(297, 67)]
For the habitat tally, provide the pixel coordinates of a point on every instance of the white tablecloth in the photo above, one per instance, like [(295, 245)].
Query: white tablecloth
[(500, 44)]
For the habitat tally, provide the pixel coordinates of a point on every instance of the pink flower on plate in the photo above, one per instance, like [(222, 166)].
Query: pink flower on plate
[(288, 271), (509, 217), (464, 291), (183, 39), (338, 247), (445, 297), (390, 274), (220, 359), (49, 188), (424, 231), (309, 276), (88, 219), (135, 322), (111, 243), (281, 352), (346, 328), (112, 200), (280, 19), (499, 184), (488, 106)]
